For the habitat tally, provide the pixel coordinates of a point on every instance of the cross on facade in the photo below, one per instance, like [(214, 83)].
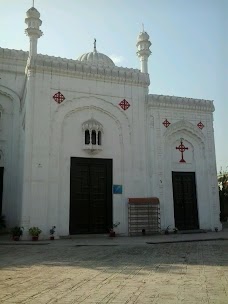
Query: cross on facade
[(182, 148)]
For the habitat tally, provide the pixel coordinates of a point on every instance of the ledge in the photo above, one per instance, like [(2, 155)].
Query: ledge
[(165, 101)]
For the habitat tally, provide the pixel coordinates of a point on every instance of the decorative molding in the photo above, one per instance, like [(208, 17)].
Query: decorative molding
[(16, 54), (185, 125), (165, 101), (90, 126), (75, 68), (9, 93), (85, 101)]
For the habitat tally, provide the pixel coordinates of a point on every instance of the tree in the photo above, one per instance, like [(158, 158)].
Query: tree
[(223, 194)]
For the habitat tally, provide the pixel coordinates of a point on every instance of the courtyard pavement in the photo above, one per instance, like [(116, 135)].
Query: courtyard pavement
[(169, 269)]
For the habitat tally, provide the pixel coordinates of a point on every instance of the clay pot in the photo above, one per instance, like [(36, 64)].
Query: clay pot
[(16, 238), (35, 238)]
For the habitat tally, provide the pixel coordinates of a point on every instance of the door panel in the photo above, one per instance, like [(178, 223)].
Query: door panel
[(185, 202), (91, 195)]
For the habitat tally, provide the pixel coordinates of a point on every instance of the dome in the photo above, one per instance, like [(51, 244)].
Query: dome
[(143, 36), (96, 59), (33, 13)]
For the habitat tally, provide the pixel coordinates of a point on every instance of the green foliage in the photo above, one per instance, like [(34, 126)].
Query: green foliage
[(2, 222), (17, 231), (52, 230), (35, 231), (223, 194)]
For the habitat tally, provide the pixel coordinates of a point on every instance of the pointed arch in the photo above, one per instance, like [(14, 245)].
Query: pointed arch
[(185, 126)]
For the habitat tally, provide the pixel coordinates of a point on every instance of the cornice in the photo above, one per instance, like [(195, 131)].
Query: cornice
[(73, 68), (165, 101), (17, 54), (78, 69)]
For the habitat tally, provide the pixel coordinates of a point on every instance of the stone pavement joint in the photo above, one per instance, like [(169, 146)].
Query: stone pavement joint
[(114, 271), (129, 272)]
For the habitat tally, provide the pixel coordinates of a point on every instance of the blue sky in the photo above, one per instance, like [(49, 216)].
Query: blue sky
[(189, 43)]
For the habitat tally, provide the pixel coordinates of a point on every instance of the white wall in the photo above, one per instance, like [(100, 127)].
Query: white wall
[(200, 158), (57, 136)]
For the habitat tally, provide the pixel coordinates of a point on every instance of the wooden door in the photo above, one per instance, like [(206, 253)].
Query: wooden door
[(185, 202), (90, 195)]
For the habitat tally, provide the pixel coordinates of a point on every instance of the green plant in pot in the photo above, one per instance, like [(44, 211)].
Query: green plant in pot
[(35, 232), (112, 232), (167, 230), (16, 232), (52, 232)]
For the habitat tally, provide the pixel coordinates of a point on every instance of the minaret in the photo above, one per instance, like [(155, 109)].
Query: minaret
[(143, 44), (33, 30)]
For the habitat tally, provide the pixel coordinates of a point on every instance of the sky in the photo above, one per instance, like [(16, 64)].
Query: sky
[(189, 43)]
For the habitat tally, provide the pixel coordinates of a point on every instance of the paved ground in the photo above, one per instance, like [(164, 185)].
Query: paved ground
[(122, 270)]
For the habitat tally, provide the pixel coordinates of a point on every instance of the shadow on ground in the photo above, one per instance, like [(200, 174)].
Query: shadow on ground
[(158, 258)]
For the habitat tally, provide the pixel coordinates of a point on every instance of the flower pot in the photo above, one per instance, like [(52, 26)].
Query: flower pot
[(52, 237), (112, 234), (35, 238), (16, 238)]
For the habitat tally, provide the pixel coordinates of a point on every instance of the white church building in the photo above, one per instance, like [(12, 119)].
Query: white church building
[(78, 138)]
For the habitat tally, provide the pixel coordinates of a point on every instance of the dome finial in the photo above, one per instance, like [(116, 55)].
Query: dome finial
[(33, 5), (95, 45), (143, 27)]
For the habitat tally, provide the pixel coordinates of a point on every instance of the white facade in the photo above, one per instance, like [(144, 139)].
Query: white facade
[(39, 135)]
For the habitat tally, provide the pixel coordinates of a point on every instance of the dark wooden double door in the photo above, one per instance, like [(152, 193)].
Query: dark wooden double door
[(90, 195), (185, 201)]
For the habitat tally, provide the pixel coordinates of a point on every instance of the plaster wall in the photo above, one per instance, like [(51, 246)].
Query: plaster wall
[(57, 136), (200, 158)]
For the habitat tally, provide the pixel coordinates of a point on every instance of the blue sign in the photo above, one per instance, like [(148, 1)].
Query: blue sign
[(117, 189)]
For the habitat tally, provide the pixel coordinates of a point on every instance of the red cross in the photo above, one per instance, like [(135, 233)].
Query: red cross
[(200, 125), (182, 148), (124, 104), (58, 97), (166, 123)]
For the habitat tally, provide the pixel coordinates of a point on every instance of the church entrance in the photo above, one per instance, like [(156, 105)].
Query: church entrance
[(1, 188), (185, 202), (90, 195)]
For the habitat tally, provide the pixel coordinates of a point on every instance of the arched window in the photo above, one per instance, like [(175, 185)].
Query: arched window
[(99, 138), (94, 135), (87, 137), (92, 130)]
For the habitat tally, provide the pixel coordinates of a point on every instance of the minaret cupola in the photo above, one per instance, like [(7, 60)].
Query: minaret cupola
[(143, 45), (33, 30)]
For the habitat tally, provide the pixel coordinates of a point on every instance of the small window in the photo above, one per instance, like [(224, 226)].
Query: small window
[(94, 135), (99, 138), (87, 137)]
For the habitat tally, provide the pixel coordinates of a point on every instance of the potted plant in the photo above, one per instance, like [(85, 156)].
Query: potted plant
[(52, 232), (175, 230), (35, 232), (16, 232), (112, 232), (167, 230)]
